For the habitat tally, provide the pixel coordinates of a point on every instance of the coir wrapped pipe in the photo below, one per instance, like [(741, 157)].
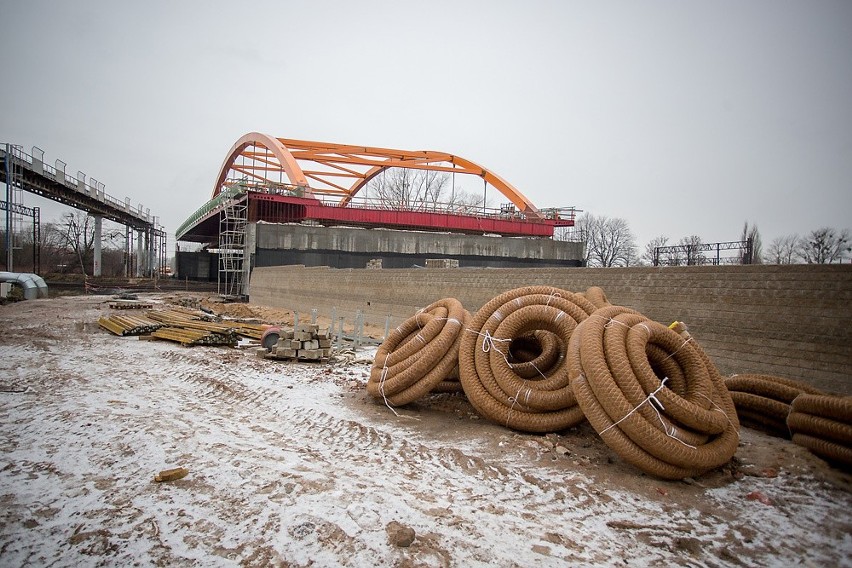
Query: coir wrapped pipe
[(763, 401), (823, 424), (420, 354), (528, 392), (833, 452), (652, 394)]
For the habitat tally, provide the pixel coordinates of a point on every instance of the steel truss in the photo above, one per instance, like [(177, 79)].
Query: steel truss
[(35, 213), (691, 254)]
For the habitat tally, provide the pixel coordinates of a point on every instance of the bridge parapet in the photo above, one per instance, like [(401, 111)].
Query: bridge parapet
[(88, 195)]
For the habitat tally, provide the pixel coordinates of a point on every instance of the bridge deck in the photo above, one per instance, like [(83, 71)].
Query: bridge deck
[(203, 226), (53, 183)]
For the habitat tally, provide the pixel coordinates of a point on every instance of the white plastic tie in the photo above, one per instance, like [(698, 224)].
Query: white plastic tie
[(382, 385), (553, 294)]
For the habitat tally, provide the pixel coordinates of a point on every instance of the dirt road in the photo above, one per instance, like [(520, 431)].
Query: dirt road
[(293, 464)]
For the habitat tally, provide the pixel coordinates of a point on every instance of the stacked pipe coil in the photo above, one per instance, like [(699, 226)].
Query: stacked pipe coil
[(541, 359), (823, 424), (763, 401), (597, 296), (675, 427), (419, 356), (512, 361)]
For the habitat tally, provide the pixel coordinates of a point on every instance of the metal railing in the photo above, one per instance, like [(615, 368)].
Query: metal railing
[(93, 188), (504, 211)]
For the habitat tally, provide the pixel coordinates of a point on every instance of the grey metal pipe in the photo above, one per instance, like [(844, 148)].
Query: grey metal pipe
[(34, 286)]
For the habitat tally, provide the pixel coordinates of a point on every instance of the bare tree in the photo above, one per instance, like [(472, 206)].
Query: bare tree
[(782, 250), (609, 241), (824, 246), (569, 234), (650, 256), (78, 236), (752, 234), (420, 190), (694, 256)]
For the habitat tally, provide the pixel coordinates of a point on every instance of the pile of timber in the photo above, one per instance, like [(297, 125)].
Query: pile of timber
[(185, 327), (252, 330), (129, 325), (182, 325), (307, 342), (189, 337)]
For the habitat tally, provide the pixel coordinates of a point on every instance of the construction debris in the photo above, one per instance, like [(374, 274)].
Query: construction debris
[(189, 327), (130, 305), (442, 263), (171, 474), (307, 342)]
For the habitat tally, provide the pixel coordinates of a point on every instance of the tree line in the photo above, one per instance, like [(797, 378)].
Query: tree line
[(609, 242), (67, 246)]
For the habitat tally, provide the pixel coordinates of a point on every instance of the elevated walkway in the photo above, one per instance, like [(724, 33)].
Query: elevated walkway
[(52, 182), (21, 171)]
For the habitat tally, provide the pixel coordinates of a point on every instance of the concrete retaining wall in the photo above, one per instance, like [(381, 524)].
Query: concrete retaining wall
[(793, 321), (345, 247)]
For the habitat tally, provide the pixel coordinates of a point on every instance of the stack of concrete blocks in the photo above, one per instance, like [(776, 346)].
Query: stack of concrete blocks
[(374, 263), (442, 263), (307, 342)]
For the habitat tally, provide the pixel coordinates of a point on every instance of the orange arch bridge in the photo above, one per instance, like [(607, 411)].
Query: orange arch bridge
[(283, 180), (329, 171)]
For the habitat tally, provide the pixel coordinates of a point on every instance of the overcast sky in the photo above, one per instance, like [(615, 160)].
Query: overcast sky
[(682, 117)]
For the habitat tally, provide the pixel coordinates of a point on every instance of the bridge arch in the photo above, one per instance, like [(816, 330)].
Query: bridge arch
[(337, 172)]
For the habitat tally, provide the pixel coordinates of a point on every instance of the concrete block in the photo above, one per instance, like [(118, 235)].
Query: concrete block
[(303, 336), (307, 328), (309, 354), (312, 344)]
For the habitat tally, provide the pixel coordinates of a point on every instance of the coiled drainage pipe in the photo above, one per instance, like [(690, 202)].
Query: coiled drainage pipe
[(652, 394), (823, 424), (511, 359), (419, 355), (763, 401)]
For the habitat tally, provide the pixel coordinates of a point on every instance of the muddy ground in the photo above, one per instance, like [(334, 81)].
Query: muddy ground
[(292, 464)]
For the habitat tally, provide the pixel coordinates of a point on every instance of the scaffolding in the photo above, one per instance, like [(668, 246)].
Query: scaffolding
[(233, 219)]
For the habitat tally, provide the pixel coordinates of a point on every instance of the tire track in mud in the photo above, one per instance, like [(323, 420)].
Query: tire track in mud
[(464, 486), (459, 482), (342, 438), (217, 381)]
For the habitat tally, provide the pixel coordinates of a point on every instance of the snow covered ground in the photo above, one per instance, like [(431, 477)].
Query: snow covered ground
[(293, 464)]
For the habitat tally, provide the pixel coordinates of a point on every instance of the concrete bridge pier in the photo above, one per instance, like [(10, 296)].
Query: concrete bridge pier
[(139, 254), (152, 252), (96, 269)]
